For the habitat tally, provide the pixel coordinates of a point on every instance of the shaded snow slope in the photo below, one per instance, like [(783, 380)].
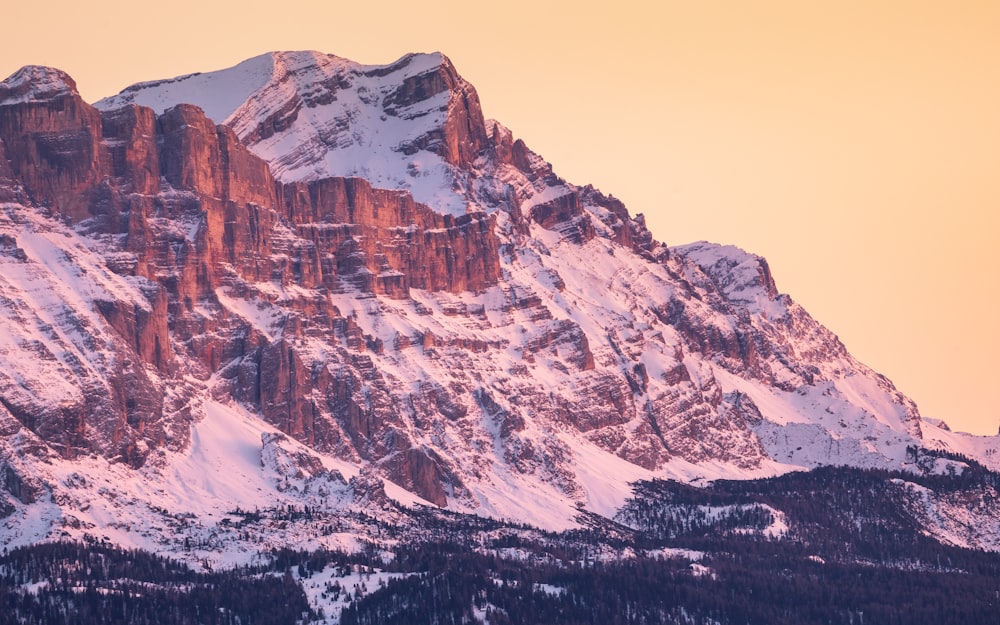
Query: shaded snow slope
[(218, 93)]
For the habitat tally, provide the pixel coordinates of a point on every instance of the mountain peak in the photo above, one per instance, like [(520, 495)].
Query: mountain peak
[(406, 125), (741, 277), (36, 83), (221, 93)]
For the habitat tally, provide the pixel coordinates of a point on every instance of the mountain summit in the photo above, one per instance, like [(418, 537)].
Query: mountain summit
[(414, 124), (303, 280)]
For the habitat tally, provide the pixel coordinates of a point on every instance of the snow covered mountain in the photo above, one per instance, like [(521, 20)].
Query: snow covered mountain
[(307, 282), (414, 124)]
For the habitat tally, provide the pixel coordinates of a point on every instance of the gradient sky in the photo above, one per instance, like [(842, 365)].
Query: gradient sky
[(855, 145)]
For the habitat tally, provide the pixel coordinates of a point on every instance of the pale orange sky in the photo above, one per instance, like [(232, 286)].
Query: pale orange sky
[(856, 145)]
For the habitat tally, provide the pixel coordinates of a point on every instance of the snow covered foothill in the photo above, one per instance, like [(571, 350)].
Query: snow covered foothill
[(985, 449), (966, 519), (334, 588)]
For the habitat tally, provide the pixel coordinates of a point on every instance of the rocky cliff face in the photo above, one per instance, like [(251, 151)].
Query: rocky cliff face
[(51, 139), (361, 260), (194, 212)]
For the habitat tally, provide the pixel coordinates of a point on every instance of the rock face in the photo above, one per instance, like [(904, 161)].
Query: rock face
[(360, 259), (386, 243), (51, 139)]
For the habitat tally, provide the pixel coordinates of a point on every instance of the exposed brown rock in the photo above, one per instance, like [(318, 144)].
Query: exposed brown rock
[(53, 147), (131, 155), (21, 487), (565, 214), (566, 340), (419, 471), (386, 243), (285, 391), (191, 158), (463, 135), (144, 328)]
